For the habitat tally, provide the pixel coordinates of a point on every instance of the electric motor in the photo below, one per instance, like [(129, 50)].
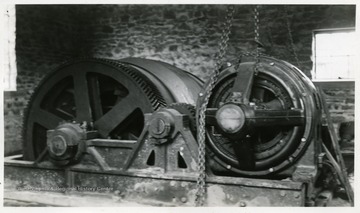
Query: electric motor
[(261, 117)]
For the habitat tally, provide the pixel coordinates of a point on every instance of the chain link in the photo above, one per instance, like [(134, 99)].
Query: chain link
[(257, 37), (291, 40), (257, 32), (200, 185)]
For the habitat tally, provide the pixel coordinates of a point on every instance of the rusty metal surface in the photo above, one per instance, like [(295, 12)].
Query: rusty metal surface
[(155, 191)]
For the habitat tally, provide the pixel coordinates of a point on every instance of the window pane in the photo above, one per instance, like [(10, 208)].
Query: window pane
[(334, 55)]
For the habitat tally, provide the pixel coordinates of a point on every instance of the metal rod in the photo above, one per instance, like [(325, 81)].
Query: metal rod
[(111, 143)]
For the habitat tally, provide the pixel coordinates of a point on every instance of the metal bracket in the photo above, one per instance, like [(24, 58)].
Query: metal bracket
[(178, 155), (337, 160)]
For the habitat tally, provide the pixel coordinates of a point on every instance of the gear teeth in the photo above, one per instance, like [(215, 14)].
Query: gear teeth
[(149, 89), (152, 93), (186, 109)]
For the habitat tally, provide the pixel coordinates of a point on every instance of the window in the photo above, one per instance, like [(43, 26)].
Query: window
[(334, 54)]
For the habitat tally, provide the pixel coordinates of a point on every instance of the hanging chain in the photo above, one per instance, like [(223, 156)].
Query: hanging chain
[(257, 34), (256, 54), (292, 45), (200, 185)]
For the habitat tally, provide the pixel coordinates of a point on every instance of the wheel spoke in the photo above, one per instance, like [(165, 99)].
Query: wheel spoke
[(116, 116), (46, 119), (243, 84), (95, 99), (210, 116), (294, 117), (244, 153), (82, 99)]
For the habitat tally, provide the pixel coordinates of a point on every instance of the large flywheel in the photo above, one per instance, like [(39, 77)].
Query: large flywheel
[(260, 122), (109, 96)]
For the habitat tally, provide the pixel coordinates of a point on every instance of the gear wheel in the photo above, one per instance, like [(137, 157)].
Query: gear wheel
[(186, 109), (45, 98), (157, 100)]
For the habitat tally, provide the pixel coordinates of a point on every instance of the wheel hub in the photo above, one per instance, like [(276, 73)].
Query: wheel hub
[(63, 142), (57, 145), (231, 118)]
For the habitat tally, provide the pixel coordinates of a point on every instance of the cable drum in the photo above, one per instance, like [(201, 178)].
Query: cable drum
[(108, 96)]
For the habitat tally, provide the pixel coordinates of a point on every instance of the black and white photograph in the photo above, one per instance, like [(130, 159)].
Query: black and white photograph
[(179, 104)]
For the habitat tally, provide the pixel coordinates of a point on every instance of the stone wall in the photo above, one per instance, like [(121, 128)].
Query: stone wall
[(186, 36)]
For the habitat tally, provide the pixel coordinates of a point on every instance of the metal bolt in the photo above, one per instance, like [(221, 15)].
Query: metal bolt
[(291, 159), (201, 94), (272, 63), (282, 193), (158, 126), (296, 195), (228, 64), (183, 199), (304, 94), (303, 139), (281, 141), (271, 170), (172, 183), (242, 204), (228, 166)]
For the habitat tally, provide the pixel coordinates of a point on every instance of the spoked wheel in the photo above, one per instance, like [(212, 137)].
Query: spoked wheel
[(110, 97), (259, 124)]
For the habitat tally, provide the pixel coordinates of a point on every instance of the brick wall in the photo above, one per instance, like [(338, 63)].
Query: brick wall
[(341, 104), (183, 35)]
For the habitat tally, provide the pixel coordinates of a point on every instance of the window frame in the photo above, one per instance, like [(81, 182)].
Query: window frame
[(327, 31)]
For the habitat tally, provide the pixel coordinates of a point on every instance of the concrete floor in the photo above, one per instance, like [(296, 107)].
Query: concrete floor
[(48, 199), (14, 198)]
